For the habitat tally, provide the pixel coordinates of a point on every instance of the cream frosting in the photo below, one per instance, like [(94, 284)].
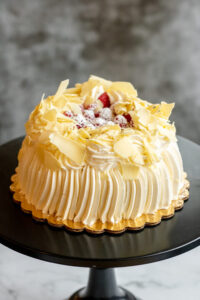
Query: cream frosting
[(105, 173), (87, 194)]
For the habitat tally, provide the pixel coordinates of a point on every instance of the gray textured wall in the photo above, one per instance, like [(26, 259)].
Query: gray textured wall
[(154, 44)]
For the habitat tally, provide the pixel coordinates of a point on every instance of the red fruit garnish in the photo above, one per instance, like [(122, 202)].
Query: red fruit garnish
[(92, 106), (104, 98), (123, 125), (78, 126), (128, 117), (68, 114), (132, 123), (121, 121), (96, 115)]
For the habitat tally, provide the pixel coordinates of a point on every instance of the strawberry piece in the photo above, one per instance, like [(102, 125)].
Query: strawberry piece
[(128, 117), (92, 106), (68, 114), (96, 115), (78, 126), (105, 100)]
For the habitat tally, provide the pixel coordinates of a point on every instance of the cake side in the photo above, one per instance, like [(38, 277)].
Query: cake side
[(96, 155), (99, 227)]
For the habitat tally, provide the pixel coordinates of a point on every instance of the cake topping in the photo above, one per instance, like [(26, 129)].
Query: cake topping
[(94, 116), (92, 106), (68, 114), (105, 116), (75, 151), (127, 149), (80, 119), (110, 123), (105, 100), (121, 120), (99, 122), (89, 114), (106, 113), (128, 117)]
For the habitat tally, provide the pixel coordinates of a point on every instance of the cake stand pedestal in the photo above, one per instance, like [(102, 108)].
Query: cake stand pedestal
[(102, 252), (102, 285)]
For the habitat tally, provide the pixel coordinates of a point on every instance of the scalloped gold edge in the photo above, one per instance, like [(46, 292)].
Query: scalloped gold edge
[(99, 227)]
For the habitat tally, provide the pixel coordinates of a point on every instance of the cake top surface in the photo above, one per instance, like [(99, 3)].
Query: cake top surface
[(99, 121)]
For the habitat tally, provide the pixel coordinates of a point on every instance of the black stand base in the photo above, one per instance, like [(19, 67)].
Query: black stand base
[(102, 285)]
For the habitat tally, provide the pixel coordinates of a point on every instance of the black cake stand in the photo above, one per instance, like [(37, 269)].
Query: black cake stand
[(102, 252)]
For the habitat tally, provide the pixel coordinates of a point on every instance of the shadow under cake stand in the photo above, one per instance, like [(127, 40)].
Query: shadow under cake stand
[(102, 252)]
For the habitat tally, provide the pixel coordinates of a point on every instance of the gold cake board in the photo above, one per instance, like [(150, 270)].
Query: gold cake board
[(99, 227)]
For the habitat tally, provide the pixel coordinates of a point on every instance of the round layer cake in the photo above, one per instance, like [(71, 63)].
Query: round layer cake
[(97, 157)]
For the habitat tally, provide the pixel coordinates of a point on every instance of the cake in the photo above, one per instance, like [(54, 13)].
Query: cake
[(99, 158)]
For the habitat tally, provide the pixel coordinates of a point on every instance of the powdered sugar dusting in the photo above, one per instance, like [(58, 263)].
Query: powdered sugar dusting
[(99, 122), (93, 116), (106, 114), (89, 114), (121, 121)]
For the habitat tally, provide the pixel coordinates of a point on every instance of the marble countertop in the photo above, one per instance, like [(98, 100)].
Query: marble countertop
[(23, 277)]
